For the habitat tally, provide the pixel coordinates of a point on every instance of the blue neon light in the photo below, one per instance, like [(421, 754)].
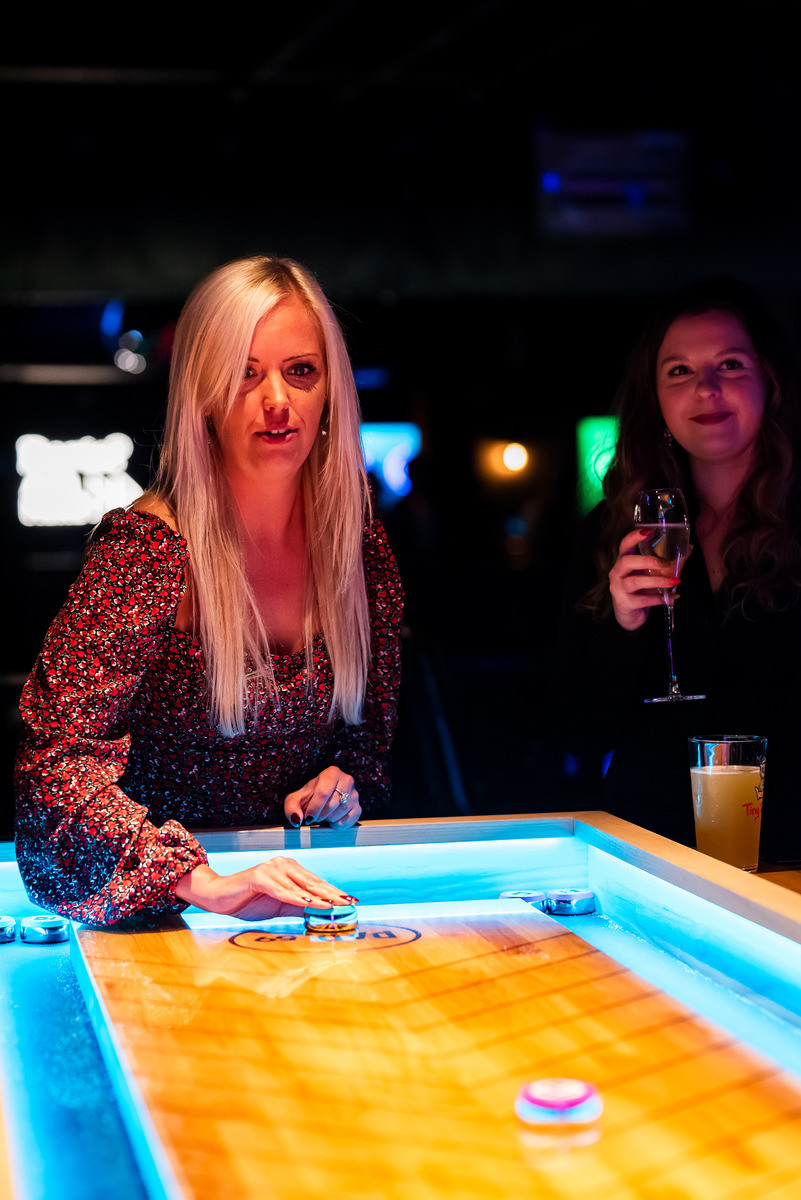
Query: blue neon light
[(635, 195), (370, 378), (111, 319), (389, 447)]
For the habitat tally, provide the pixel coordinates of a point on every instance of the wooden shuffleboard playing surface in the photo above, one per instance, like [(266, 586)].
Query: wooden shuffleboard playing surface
[(5, 1169), (261, 1064)]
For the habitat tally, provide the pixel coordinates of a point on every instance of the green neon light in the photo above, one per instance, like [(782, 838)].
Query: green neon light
[(596, 438)]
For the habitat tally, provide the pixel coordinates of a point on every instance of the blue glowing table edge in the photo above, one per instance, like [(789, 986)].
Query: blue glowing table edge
[(157, 1173), (757, 900)]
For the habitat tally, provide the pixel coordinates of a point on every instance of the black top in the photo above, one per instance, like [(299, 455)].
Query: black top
[(747, 665)]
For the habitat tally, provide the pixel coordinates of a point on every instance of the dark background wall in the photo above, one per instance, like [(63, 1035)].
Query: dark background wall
[(492, 193)]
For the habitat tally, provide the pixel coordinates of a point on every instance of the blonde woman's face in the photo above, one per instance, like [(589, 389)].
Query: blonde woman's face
[(276, 415)]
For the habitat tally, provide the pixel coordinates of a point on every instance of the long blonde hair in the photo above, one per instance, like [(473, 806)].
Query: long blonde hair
[(212, 341)]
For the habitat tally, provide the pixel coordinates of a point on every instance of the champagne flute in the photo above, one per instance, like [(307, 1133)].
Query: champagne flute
[(663, 513)]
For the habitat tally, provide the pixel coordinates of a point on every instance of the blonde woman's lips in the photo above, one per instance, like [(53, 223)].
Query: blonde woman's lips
[(711, 418)]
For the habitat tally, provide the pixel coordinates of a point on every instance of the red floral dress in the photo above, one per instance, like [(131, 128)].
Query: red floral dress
[(118, 756)]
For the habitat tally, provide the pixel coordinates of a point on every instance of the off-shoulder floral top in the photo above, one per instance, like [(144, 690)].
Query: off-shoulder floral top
[(118, 757)]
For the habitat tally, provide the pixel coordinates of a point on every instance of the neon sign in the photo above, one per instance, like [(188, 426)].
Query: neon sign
[(73, 483)]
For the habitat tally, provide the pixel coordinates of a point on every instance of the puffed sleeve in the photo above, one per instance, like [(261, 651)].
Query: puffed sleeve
[(85, 849), (363, 750)]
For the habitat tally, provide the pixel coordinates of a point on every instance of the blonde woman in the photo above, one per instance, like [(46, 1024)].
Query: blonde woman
[(229, 655)]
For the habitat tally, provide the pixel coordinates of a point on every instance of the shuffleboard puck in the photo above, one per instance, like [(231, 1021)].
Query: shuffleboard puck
[(558, 1101), (570, 902), (331, 920), (43, 928)]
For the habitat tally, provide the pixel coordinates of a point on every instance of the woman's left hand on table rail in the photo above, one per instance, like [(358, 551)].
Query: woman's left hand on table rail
[(331, 797)]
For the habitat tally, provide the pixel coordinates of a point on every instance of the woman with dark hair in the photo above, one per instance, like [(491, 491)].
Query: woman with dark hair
[(229, 655), (709, 403)]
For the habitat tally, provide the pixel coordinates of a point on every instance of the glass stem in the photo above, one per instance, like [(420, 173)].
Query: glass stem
[(673, 689)]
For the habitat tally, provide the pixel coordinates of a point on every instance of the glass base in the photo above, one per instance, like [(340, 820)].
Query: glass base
[(668, 699)]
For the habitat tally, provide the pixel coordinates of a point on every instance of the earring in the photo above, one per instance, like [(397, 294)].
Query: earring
[(668, 436)]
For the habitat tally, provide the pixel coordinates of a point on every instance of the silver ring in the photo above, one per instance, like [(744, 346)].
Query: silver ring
[(344, 795)]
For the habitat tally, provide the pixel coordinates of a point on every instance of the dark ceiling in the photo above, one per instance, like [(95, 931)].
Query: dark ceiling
[(397, 151), (392, 148)]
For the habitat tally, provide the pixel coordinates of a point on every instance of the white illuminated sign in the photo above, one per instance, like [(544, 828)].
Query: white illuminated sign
[(73, 483)]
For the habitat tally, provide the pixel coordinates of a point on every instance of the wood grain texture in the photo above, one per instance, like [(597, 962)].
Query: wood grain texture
[(5, 1168), (787, 878), (387, 1068)]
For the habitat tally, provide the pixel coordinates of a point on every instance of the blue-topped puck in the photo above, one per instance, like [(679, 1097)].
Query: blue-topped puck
[(535, 898), (44, 928), (558, 1102), (8, 929), (331, 919), (570, 902)]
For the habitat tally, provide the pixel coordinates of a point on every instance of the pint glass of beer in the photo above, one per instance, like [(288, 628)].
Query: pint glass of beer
[(727, 776)]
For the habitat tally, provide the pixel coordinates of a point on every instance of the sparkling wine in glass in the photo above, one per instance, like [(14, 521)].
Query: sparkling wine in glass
[(663, 513)]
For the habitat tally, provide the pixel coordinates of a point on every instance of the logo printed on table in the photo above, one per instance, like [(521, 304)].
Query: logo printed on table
[(369, 937)]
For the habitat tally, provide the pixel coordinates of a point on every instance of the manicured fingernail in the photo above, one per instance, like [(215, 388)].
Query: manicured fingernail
[(294, 822)]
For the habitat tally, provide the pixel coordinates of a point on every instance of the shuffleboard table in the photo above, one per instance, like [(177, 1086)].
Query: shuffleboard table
[(206, 1057)]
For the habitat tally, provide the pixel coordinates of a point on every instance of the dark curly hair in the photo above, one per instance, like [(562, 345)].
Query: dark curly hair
[(761, 552)]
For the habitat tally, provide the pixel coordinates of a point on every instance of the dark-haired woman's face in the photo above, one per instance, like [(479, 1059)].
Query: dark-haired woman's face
[(711, 387)]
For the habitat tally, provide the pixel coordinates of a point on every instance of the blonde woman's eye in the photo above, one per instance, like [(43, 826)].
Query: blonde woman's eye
[(732, 364), (302, 370)]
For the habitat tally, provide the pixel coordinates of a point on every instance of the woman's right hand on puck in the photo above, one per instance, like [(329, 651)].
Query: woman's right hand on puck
[(278, 887)]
